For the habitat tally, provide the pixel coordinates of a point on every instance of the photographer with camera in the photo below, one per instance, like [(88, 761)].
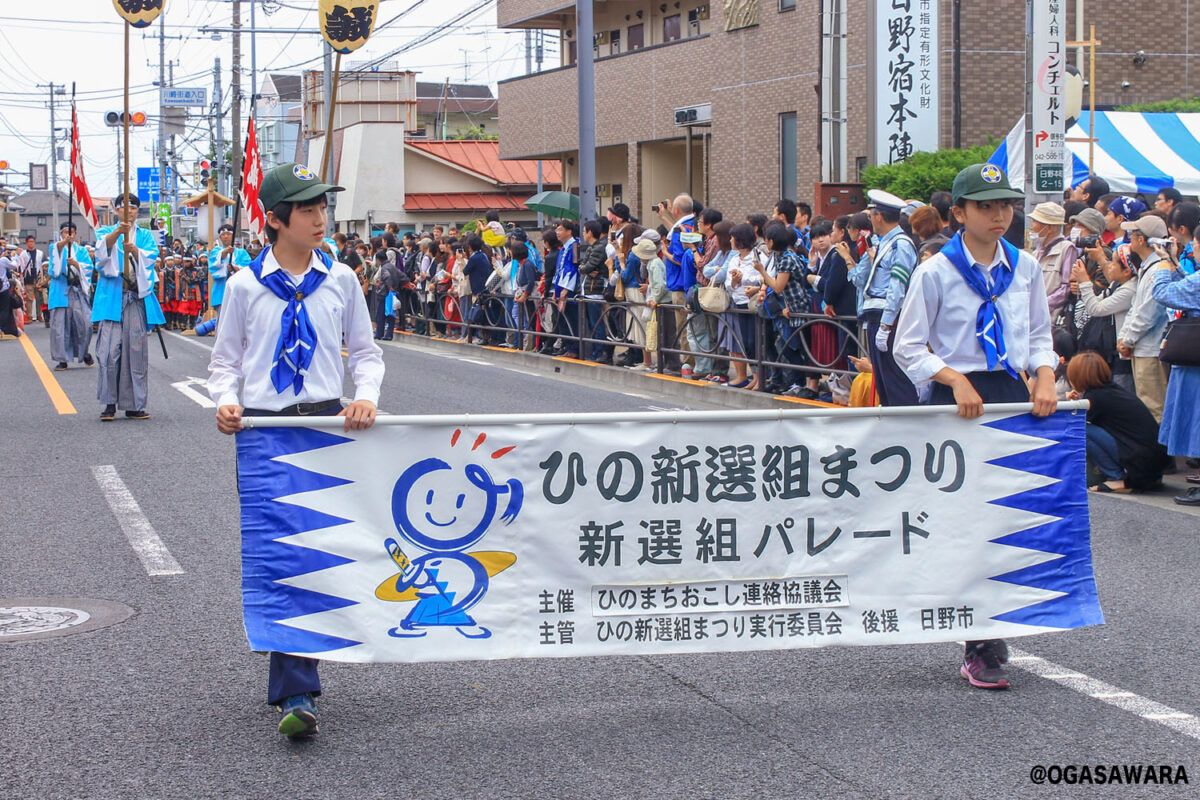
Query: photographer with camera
[(1104, 286)]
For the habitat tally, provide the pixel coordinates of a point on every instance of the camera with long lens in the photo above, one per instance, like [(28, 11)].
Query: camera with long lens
[(1084, 242)]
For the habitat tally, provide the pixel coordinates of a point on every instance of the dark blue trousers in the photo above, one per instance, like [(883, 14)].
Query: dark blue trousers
[(993, 387), (290, 675), (891, 382)]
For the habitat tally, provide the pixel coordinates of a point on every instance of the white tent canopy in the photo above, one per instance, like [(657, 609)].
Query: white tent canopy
[(1136, 152)]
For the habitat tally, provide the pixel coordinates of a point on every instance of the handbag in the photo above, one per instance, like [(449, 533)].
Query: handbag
[(713, 298), (1181, 345), (652, 331)]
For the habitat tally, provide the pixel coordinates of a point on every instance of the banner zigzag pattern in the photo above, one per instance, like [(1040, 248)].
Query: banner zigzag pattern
[(1070, 574), (267, 520)]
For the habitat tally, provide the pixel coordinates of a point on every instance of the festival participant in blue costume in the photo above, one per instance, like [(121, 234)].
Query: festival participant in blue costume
[(125, 307), (223, 260), (283, 321), (69, 300), (976, 316)]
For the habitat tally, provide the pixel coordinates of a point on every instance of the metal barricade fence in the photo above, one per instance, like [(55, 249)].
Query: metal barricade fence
[(779, 344)]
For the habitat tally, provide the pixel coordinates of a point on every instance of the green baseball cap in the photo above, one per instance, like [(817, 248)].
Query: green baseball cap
[(291, 182), (983, 182)]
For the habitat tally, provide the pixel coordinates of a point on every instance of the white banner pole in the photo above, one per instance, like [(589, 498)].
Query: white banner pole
[(592, 418)]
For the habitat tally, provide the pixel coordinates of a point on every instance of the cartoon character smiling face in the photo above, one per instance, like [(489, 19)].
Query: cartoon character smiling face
[(441, 511)]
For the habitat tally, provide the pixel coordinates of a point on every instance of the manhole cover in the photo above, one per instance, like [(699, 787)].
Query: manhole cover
[(25, 618)]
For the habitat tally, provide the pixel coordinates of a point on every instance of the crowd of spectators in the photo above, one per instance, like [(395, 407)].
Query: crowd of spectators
[(772, 302)]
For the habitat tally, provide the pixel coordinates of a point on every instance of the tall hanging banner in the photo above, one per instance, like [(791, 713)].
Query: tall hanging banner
[(905, 83), (139, 13), (256, 220), (485, 538), (346, 25), (83, 195), (1049, 102)]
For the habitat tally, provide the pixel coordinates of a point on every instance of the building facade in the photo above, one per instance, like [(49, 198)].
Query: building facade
[(277, 119), (784, 76)]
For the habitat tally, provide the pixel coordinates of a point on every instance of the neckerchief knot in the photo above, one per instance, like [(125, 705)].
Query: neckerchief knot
[(989, 323), (297, 336)]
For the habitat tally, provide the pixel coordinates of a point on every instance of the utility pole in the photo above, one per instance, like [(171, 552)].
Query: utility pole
[(219, 145), (528, 51), (586, 77), (162, 122), (173, 161), (253, 62), (53, 166), (235, 160), (327, 167)]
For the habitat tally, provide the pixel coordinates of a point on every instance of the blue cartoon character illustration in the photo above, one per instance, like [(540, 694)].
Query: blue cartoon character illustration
[(440, 512)]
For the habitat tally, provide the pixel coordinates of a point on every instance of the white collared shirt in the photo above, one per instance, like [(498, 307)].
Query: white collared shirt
[(940, 311), (249, 327)]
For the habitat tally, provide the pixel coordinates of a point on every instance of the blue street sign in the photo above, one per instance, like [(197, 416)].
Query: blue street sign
[(183, 96), (147, 183)]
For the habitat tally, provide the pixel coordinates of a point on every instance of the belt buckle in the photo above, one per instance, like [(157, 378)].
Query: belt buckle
[(306, 409)]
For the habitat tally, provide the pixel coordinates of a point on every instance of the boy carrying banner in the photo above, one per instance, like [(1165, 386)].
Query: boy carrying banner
[(283, 321), (975, 317)]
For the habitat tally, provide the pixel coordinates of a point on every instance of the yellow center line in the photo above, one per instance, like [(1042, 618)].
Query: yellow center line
[(62, 403)]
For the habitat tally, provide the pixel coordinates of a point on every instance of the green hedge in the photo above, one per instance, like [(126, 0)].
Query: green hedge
[(1180, 105), (925, 173)]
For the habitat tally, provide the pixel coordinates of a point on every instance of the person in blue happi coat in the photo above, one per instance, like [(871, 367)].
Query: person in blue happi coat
[(125, 308), (70, 300)]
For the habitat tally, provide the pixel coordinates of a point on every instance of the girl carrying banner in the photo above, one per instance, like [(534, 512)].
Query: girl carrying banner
[(975, 318)]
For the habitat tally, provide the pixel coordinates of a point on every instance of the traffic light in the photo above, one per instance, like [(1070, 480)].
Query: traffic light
[(202, 172), (116, 119)]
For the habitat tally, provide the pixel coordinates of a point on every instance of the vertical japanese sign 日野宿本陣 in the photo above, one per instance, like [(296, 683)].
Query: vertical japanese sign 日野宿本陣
[(906, 78)]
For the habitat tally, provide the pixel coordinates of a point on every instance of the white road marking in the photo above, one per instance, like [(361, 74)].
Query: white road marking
[(145, 542), (185, 388), (1145, 708), (198, 342)]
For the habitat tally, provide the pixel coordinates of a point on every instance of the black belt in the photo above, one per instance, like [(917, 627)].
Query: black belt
[(299, 409)]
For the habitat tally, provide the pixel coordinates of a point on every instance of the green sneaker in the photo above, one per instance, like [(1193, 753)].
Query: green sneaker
[(299, 719)]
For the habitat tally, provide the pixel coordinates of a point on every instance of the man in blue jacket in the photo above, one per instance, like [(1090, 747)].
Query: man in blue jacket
[(125, 307)]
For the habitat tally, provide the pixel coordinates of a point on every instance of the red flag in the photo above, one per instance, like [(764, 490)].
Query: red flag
[(78, 184), (256, 217)]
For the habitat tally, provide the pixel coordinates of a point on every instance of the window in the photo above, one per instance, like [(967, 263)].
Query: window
[(41, 222), (614, 39), (787, 154), (694, 22), (637, 36), (671, 28), (787, 5)]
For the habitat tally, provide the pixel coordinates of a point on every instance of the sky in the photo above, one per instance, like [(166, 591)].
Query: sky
[(61, 41)]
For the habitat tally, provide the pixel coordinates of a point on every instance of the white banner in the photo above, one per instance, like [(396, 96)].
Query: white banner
[(618, 534), (906, 79), (1049, 102)]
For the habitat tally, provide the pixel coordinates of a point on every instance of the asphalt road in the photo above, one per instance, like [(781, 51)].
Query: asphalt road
[(169, 702)]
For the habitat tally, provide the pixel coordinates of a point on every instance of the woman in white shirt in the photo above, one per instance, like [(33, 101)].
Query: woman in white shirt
[(744, 283)]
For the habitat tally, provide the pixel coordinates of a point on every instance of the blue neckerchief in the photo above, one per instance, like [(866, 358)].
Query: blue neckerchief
[(989, 324), (297, 336)]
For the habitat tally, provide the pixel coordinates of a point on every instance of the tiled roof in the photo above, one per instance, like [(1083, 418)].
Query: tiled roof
[(462, 202), (483, 158)]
